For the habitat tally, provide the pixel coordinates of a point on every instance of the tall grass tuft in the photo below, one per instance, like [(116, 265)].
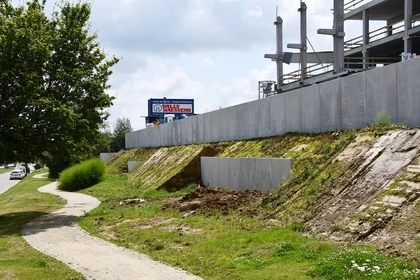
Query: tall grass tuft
[(82, 176)]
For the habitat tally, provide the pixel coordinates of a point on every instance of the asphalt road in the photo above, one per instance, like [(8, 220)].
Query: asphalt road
[(5, 182)]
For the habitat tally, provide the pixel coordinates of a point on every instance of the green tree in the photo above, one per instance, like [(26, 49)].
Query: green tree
[(53, 83), (104, 140), (122, 126)]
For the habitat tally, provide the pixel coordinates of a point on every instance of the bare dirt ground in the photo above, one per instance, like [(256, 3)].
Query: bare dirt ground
[(205, 200), (57, 235)]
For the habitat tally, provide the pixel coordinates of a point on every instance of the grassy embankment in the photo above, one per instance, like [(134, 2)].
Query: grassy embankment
[(246, 243)]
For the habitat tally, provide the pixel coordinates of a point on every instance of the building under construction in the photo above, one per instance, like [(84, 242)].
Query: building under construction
[(398, 39)]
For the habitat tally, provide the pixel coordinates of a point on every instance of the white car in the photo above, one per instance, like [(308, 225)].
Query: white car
[(17, 174)]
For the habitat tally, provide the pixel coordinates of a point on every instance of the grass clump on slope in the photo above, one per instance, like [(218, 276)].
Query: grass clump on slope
[(83, 175)]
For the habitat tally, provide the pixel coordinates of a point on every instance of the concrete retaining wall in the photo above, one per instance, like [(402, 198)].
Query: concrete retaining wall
[(132, 164), (240, 174), (107, 156), (349, 102)]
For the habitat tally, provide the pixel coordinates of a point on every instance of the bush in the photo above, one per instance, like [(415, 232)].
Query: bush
[(82, 176)]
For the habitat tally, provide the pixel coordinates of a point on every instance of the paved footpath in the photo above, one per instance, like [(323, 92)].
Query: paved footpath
[(57, 235)]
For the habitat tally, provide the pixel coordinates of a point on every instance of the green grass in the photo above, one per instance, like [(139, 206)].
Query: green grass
[(18, 260), (232, 246)]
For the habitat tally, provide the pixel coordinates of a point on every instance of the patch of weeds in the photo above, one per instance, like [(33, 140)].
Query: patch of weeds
[(298, 227), (350, 134), (383, 119), (282, 248), (350, 263), (327, 149), (264, 143), (155, 244), (337, 227), (309, 170)]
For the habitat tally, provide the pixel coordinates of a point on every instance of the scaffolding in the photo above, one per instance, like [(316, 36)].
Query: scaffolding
[(397, 40)]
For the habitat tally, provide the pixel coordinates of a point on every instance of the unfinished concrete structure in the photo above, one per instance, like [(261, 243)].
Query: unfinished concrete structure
[(398, 39)]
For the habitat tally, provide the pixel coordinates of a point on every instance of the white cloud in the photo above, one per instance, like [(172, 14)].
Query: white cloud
[(208, 50), (256, 13), (206, 62)]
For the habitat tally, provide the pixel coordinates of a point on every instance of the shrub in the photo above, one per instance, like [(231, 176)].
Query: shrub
[(82, 176)]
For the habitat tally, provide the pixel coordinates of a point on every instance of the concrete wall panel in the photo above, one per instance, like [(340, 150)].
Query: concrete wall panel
[(132, 139), (248, 174), (223, 173), (262, 174), (129, 140), (330, 100), (381, 96), (219, 127), (106, 156), (155, 137), (208, 137), (146, 136), (186, 131), (166, 136), (278, 114), (209, 171), (293, 111), (280, 171), (253, 121), (194, 128), (241, 174), (353, 101), (310, 107), (201, 128), (235, 176), (408, 88), (132, 164), (242, 120), (264, 117), (232, 123)]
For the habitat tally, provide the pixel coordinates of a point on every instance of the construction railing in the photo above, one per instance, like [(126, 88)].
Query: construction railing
[(350, 63), (353, 4)]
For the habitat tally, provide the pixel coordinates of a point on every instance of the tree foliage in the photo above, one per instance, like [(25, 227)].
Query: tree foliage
[(122, 126), (53, 83)]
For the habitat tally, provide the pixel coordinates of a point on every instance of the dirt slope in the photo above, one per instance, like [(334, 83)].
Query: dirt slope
[(380, 196)]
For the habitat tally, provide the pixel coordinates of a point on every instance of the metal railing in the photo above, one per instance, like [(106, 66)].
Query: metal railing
[(353, 4), (380, 33), (350, 63), (355, 62)]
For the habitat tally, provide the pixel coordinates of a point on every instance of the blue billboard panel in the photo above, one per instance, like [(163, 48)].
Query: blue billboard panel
[(159, 107)]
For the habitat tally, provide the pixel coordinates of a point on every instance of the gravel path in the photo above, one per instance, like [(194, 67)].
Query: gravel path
[(57, 235)]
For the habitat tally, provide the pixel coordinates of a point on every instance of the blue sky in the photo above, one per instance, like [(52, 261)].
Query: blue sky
[(209, 50)]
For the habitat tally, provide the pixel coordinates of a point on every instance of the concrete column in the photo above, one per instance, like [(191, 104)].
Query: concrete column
[(408, 14), (338, 33), (339, 36), (279, 60), (365, 51), (303, 59), (278, 57), (303, 35)]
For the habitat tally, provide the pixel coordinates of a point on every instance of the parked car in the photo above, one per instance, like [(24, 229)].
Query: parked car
[(23, 169), (17, 174)]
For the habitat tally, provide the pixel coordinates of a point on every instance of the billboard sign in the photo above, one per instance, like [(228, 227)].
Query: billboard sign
[(159, 107)]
